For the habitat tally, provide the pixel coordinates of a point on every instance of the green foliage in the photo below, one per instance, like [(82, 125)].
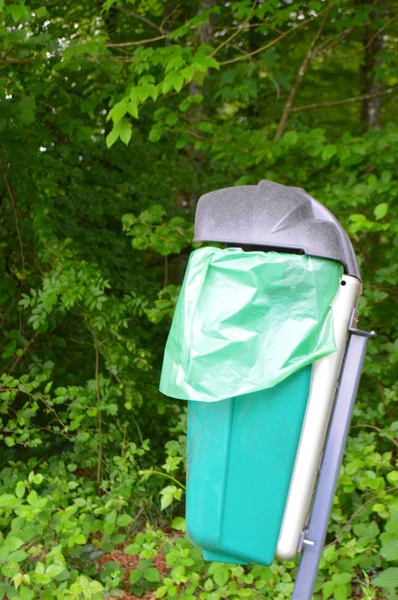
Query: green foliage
[(150, 231), (96, 236), (50, 526)]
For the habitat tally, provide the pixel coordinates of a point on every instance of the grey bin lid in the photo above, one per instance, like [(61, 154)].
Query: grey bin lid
[(274, 216)]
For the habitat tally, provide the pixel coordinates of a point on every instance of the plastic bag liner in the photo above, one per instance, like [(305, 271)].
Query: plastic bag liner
[(245, 321)]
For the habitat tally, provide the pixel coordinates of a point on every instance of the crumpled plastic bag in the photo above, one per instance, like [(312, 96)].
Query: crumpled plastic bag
[(245, 321)]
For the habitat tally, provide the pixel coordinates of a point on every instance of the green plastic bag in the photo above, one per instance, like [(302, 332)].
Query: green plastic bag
[(245, 321)]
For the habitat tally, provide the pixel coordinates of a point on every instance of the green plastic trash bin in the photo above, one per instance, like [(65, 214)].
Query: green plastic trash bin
[(248, 329)]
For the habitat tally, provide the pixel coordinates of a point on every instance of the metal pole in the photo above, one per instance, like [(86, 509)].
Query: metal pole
[(329, 471)]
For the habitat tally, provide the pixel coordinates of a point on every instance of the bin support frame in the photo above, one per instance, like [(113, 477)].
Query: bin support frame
[(314, 536)]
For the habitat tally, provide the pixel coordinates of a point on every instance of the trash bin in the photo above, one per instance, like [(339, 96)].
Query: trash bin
[(256, 348)]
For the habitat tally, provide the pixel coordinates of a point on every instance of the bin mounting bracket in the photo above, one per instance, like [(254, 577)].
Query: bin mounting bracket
[(311, 547), (304, 541), (352, 326)]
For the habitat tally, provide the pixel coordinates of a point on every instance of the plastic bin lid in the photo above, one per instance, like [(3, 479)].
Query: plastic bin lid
[(277, 217)]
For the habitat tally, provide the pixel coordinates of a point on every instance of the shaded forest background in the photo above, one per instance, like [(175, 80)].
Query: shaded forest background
[(114, 118)]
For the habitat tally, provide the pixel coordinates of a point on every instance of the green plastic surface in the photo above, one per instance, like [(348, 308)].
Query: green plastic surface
[(245, 321), (241, 454)]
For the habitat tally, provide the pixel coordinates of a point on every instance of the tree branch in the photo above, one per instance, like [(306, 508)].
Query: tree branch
[(345, 101), (231, 37), (99, 413), (329, 44), (139, 18), (378, 429), (16, 61), (19, 358), (369, 42), (16, 223), (300, 75), (137, 42), (273, 42), (356, 513)]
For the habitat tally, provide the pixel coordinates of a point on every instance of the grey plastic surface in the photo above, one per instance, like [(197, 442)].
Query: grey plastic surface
[(274, 216)]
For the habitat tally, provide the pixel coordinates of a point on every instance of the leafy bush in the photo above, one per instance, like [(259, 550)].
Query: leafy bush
[(115, 118)]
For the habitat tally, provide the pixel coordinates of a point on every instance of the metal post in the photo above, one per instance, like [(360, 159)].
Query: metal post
[(329, 471)]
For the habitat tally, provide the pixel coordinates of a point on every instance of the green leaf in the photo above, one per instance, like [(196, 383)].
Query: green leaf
[(291, 138), (221, 575), (17, 556), (328, 589), (392, 477), (10, 570), (39, 568), (32, 498), (169, 493), (135, 576), (118, 111), (329, 151), (392, 523), (124, 520), (132, 549), (132, 109), (370, 529), (122, 130), (152, 574), (341, 592), (54, 570), (20, 489), (173, 81), (8, 501), (112, 137), (179, 524), (161, 591), (17, 580), (125, 132), (380, 211), (17, 12), (13, 543), (389, 548), (25, 593), (387, 578)]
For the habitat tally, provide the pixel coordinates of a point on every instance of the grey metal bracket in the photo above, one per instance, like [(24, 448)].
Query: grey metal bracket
[(313, 537), (304, 541), (352, 326)]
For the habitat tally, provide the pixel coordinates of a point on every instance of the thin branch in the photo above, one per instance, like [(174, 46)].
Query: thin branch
[(16, 61), (137, 42), (356, 513), (231, 37), (250, 54), (379, 431), (300, 75), (16, 223), (329, 44), (19, 358), (148, 472), (139, 18), (124, 440), (65, 435), (247, 25), (166, 271), (374, 36), (273, 42), (99, 413), (345, 101), (36, 539), (50, 408)]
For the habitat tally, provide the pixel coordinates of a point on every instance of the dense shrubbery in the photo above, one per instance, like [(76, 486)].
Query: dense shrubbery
[(94, 246)]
